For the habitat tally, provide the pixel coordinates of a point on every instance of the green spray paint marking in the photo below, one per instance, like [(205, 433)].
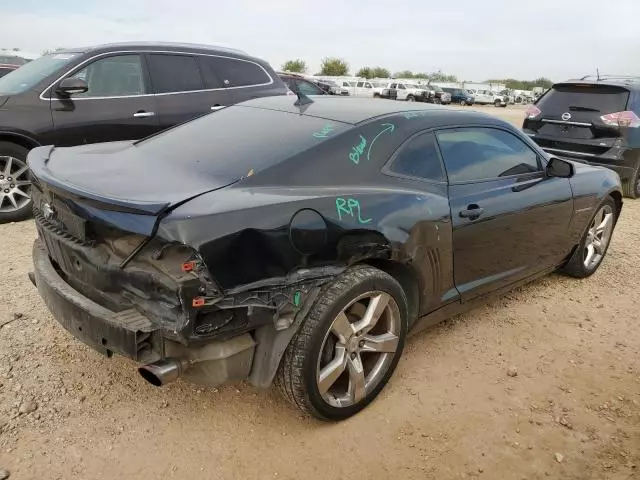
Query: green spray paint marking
[(389, 127), (296, 298), (324, 133), (358, 150), (346, 207)]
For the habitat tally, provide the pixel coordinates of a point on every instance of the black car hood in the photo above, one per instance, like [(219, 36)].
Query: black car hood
[(117, 174)]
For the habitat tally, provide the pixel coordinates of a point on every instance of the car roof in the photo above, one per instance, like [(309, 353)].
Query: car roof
[(192, 47), (624, 82), (354, 110)]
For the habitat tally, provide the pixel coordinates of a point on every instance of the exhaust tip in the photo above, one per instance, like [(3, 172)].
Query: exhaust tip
[(163, 371), (149, 376)]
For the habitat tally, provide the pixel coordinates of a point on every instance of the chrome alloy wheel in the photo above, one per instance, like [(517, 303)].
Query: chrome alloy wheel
[(15, 187), (598, 237), (358, 349)]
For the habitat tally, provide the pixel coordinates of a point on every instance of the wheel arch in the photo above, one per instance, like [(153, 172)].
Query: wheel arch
[(19, 139), (408, 280), (617, 198)]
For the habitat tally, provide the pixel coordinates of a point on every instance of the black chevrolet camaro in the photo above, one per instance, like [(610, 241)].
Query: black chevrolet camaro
[(298, 244)]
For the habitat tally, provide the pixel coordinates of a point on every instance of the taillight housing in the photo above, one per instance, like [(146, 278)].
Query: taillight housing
[(533, 112), (621, 119)]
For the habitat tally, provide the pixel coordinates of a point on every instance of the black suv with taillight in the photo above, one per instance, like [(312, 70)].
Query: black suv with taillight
[(592, 120)]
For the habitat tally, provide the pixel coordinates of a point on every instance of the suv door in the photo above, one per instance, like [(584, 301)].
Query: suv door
[(181, 93), (117, 105), (509, 219)]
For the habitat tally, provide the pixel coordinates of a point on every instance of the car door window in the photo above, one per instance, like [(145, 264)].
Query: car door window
[(174, 73), (418, 157), (360, 84), (117, 76), (401, 87), (393, 85), (308, 88), (235, 73), (472, 154)]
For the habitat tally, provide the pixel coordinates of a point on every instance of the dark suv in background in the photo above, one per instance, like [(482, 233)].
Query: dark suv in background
[(594, 121), (114, 92), (459, 96)]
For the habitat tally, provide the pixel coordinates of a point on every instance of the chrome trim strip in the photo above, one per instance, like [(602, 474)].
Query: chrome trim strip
[(580, 154), (563, 122), (142, 52)]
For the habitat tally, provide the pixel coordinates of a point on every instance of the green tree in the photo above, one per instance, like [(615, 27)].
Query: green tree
[(379, 72), (365, 72), (334, 67), (403, 74), (442, 77), (298, 65)]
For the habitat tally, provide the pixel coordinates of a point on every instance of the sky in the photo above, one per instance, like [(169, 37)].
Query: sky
[(473, 39)]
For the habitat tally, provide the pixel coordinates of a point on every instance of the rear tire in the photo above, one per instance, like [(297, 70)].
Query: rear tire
[(14, 184), (497, 103), (596, 234), (324, 370), (632, 188), (411, 98)]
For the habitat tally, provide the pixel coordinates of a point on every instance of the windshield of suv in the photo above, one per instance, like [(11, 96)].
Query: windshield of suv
[(30, 74), (600, 99)]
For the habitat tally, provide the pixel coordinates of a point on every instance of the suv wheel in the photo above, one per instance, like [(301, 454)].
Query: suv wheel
[(462, 103), (15, 187), (594, 244), (411, 98), (348, 345), (497, 103)]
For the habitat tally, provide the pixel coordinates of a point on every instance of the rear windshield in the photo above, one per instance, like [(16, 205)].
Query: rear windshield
[(234, 141), (601, 99), (32, 73)]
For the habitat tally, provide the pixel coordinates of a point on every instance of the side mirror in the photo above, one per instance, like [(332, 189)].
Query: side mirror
[(69, 86), (559, 168)]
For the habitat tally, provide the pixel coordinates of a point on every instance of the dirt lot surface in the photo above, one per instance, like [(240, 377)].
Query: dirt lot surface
[(450, 411)]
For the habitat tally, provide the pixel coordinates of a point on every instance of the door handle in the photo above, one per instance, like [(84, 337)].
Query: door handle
[(217, 107), (472, 212), (143, 114)]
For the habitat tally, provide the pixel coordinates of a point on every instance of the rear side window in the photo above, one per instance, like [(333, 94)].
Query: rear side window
[(174, 73), (472, 154), (419, 158), (598, 99), (234, 73)]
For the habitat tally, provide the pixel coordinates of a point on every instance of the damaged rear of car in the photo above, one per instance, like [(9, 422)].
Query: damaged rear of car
[(123, 263)]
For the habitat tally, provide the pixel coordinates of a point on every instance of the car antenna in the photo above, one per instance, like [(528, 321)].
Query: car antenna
[(302, 99)]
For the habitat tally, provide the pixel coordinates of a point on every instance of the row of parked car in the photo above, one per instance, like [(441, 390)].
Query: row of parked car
[(398, 90)]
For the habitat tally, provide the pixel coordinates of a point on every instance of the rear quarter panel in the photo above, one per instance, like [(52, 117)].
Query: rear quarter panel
[(243, 232)]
